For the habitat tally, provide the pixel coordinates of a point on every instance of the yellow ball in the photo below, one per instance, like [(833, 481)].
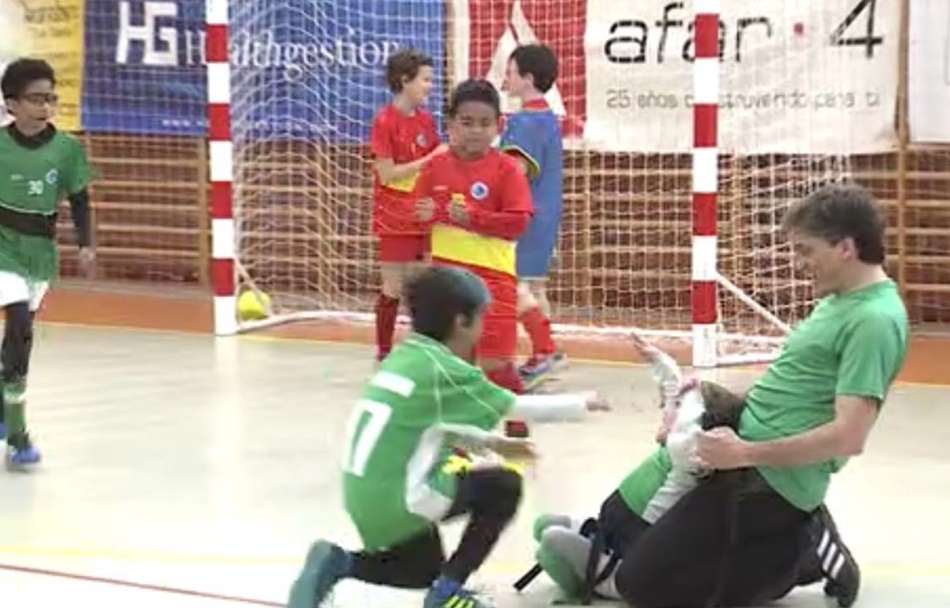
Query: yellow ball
[(253, 306)]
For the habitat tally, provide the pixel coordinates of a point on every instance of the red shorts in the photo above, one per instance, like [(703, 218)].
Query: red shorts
[(404, 248)]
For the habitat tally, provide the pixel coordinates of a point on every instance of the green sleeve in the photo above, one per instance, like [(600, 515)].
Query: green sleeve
[(467, 398), (76, 171), (870, 356)]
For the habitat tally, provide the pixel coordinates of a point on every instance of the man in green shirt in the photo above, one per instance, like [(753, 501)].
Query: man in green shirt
[(39, 167), (758, 527), (424, 402)]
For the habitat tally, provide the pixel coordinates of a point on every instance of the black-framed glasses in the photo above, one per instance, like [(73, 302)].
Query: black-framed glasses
[(38, 99)]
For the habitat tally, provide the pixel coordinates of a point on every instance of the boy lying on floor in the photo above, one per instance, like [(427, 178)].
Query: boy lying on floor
[(581, 557)]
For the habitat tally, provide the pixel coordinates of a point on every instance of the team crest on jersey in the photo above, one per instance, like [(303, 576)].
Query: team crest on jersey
[(479, 191), (421, 140), (52, 176)]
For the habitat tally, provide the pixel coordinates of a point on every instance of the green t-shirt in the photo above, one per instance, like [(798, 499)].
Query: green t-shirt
[(33, 181), (401, 434), (852, 344)]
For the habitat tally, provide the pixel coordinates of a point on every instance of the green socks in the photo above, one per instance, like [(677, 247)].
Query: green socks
[(14, 408)]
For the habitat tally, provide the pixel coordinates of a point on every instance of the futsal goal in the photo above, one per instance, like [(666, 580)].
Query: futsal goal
[(690, 127)]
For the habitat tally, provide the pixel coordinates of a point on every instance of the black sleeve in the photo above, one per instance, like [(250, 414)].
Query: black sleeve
[(79, 204)]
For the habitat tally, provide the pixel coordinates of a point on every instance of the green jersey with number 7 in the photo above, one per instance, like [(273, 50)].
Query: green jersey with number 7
[(395, 482)]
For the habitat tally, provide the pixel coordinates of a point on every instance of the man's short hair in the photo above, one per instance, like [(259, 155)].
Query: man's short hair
[(841, 211)]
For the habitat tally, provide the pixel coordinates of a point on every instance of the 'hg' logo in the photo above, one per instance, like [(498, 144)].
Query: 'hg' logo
[(163, 44)]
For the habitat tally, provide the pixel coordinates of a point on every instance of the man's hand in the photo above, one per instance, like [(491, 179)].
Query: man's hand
[(425, 209), (721, 449), (87, 261), (458, 211)]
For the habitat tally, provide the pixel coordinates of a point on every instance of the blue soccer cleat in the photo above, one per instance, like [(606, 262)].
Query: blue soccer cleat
[(446, 593), (21, 453), (326, 565)]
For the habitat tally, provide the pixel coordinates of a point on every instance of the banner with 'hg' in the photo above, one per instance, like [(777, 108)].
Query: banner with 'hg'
[(309, 69)]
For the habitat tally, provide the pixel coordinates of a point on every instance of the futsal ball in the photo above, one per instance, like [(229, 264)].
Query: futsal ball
[(253, 306)]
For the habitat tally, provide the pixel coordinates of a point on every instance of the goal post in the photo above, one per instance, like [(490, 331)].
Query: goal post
[(689, 128)]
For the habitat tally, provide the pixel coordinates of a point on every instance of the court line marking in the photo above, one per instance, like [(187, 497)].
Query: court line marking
[(887, 571), (115, 582), (744, 369)]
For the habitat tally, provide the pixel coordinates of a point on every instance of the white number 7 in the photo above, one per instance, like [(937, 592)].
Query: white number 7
[(360, 442)]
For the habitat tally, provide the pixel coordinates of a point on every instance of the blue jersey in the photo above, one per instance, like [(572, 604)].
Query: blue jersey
[(534, 133)]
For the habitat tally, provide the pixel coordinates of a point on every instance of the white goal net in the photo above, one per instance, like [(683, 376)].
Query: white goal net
[(805, 89)]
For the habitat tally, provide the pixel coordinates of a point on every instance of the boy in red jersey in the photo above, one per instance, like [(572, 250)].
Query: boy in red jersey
[(403, 138), (478, 203)]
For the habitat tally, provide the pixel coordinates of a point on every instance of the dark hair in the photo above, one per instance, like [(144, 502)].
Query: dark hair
[(438, 295), (403, 65), (539, 61), (22, 73), (475, 89), (841, 211)]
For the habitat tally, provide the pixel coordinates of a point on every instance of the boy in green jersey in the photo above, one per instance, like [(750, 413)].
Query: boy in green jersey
[(400, 481), (39, 167)]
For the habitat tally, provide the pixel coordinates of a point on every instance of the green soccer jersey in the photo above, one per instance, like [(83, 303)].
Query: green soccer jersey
[(33, 181), (400, 434), (852, 344), (641, 487)]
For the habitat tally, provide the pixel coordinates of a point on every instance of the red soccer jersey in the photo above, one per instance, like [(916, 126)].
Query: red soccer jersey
[(403, 138), (498, 203)]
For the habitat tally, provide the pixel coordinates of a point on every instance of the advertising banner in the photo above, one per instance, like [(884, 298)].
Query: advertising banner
[(50, 30), (929, 71), (310, 69), (796, 77)]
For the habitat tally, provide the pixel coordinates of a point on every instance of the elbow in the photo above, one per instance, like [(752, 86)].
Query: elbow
[(851, 442)]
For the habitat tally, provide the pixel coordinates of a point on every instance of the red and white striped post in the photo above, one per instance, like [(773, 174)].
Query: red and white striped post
[(705, 175), (220, 157)]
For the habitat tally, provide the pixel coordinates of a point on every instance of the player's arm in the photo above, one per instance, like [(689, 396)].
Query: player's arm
[(381, 147), (524, 144), (513, 218), (870, 358), (473, 405), (77, 193)]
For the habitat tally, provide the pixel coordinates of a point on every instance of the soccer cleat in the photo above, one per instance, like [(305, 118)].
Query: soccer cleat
[(840, 569), (21, 453), (546, 520), (539, 368), (445, 593), (326, 565)]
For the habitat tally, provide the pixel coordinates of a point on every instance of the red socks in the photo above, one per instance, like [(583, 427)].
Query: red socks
[(538, 327), (387, 309), (507, 376)]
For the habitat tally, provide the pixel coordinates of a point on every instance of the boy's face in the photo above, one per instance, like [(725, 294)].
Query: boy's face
[(473, 129), (418, 89), (36, 104), (515, 84)]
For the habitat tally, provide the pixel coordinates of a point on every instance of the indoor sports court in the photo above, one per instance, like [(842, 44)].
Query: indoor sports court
[(191, 472)]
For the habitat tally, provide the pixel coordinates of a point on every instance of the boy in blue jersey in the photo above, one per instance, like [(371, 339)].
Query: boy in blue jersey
[(533, 136)]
